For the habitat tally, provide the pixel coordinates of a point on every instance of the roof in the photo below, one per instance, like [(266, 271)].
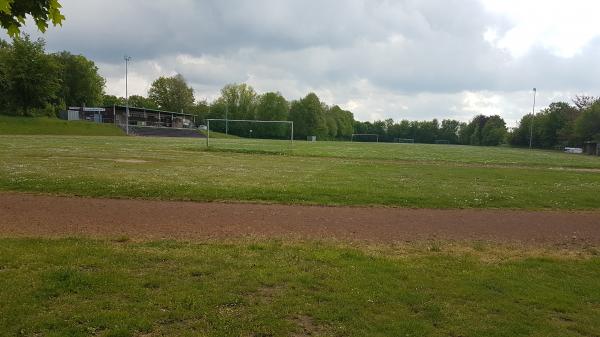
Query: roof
[(150, 110)]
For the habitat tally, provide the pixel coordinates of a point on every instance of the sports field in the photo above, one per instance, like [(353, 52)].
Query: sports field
[(324, 173), (511, 248)]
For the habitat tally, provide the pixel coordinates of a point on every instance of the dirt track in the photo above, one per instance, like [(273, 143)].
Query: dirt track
[(30, 215)]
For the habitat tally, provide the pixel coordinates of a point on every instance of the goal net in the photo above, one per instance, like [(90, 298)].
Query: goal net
[(442, 141), (404, 140), (249, 135), (364, 137)]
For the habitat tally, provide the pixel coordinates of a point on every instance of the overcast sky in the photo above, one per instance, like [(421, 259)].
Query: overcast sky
[(405, 59)]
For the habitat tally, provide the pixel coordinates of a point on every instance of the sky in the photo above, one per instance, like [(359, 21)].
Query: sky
[(404, 59)]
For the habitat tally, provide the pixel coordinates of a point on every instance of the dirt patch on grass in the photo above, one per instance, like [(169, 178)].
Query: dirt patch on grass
[(307, 327), (32, 215)]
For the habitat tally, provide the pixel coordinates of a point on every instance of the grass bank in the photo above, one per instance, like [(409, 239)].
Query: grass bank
[(82, 287), (53, 126)]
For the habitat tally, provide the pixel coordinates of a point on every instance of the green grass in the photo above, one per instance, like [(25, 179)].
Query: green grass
[(331, 173), (83, 287), (52, 126)]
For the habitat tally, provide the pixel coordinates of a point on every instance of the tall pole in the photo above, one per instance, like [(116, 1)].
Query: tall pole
[(127, 59), (226, 119), (531, 122)]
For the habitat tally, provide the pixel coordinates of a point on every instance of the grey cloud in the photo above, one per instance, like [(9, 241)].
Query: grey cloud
[(417, 57)]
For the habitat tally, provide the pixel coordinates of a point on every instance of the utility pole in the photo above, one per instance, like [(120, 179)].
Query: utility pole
[(127, 59), (531, 122)]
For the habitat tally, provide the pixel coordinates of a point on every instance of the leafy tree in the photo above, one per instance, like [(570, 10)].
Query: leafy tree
[(172, 94), (344, 122), (551, 127), (31, 76), (449, 130), (237, 101), (483, 130), (13, 13), (142, 102), (201, 110), (587, 125), (494, 131), (272, 106), (4, 82), (110, 100), (81, 85), (308, 117)]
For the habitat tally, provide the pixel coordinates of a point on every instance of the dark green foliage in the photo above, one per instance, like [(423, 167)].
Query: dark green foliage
[(561, 124), (483, 130), (309, 119), (81, 85), (587, 126), (344, 121), (142, 102), (172, 94), (110, 100), (29, 76), (14, 12), (272, 106)]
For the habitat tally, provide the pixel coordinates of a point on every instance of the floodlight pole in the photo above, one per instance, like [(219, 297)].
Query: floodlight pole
[(226, 119), (531, 122), (127, 59)]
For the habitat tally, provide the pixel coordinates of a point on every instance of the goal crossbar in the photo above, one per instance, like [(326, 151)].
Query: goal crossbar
[(291, 123)]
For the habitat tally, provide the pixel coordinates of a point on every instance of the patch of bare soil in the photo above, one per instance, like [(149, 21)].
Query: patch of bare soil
[(33, 215)]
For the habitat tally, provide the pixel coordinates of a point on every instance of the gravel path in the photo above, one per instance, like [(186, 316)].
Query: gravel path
[(33, 215)]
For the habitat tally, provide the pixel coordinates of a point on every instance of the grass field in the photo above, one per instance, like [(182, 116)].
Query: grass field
[(284, 287), (331, 173), (53, 126), (82, 287)]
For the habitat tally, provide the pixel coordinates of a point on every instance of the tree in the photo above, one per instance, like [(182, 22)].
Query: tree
[(81, 85), (172, 94), (272, 106), (583, 102), (587, 125), (4, 83), (141, 102), (494, 131), (110, 100), (344, 122), (32, 77), (309, 117), (13, 13), (449, 130)]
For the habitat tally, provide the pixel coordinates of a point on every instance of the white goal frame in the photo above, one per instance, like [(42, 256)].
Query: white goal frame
[(291, 123), (404, 140), (364, 134)]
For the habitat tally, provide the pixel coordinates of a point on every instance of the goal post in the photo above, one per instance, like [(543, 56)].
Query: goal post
[(359, 135), (249, 121), (442, 141), (404, 140)]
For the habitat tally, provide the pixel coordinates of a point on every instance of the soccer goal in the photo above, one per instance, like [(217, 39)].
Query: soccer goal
[(249, 134), (364, 137), (442, 141), (404, 140)]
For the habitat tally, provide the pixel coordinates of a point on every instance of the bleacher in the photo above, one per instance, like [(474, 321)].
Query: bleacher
[(164, 132)]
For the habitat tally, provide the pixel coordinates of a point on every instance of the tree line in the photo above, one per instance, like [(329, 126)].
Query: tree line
[(33, 82), (560, 124)]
